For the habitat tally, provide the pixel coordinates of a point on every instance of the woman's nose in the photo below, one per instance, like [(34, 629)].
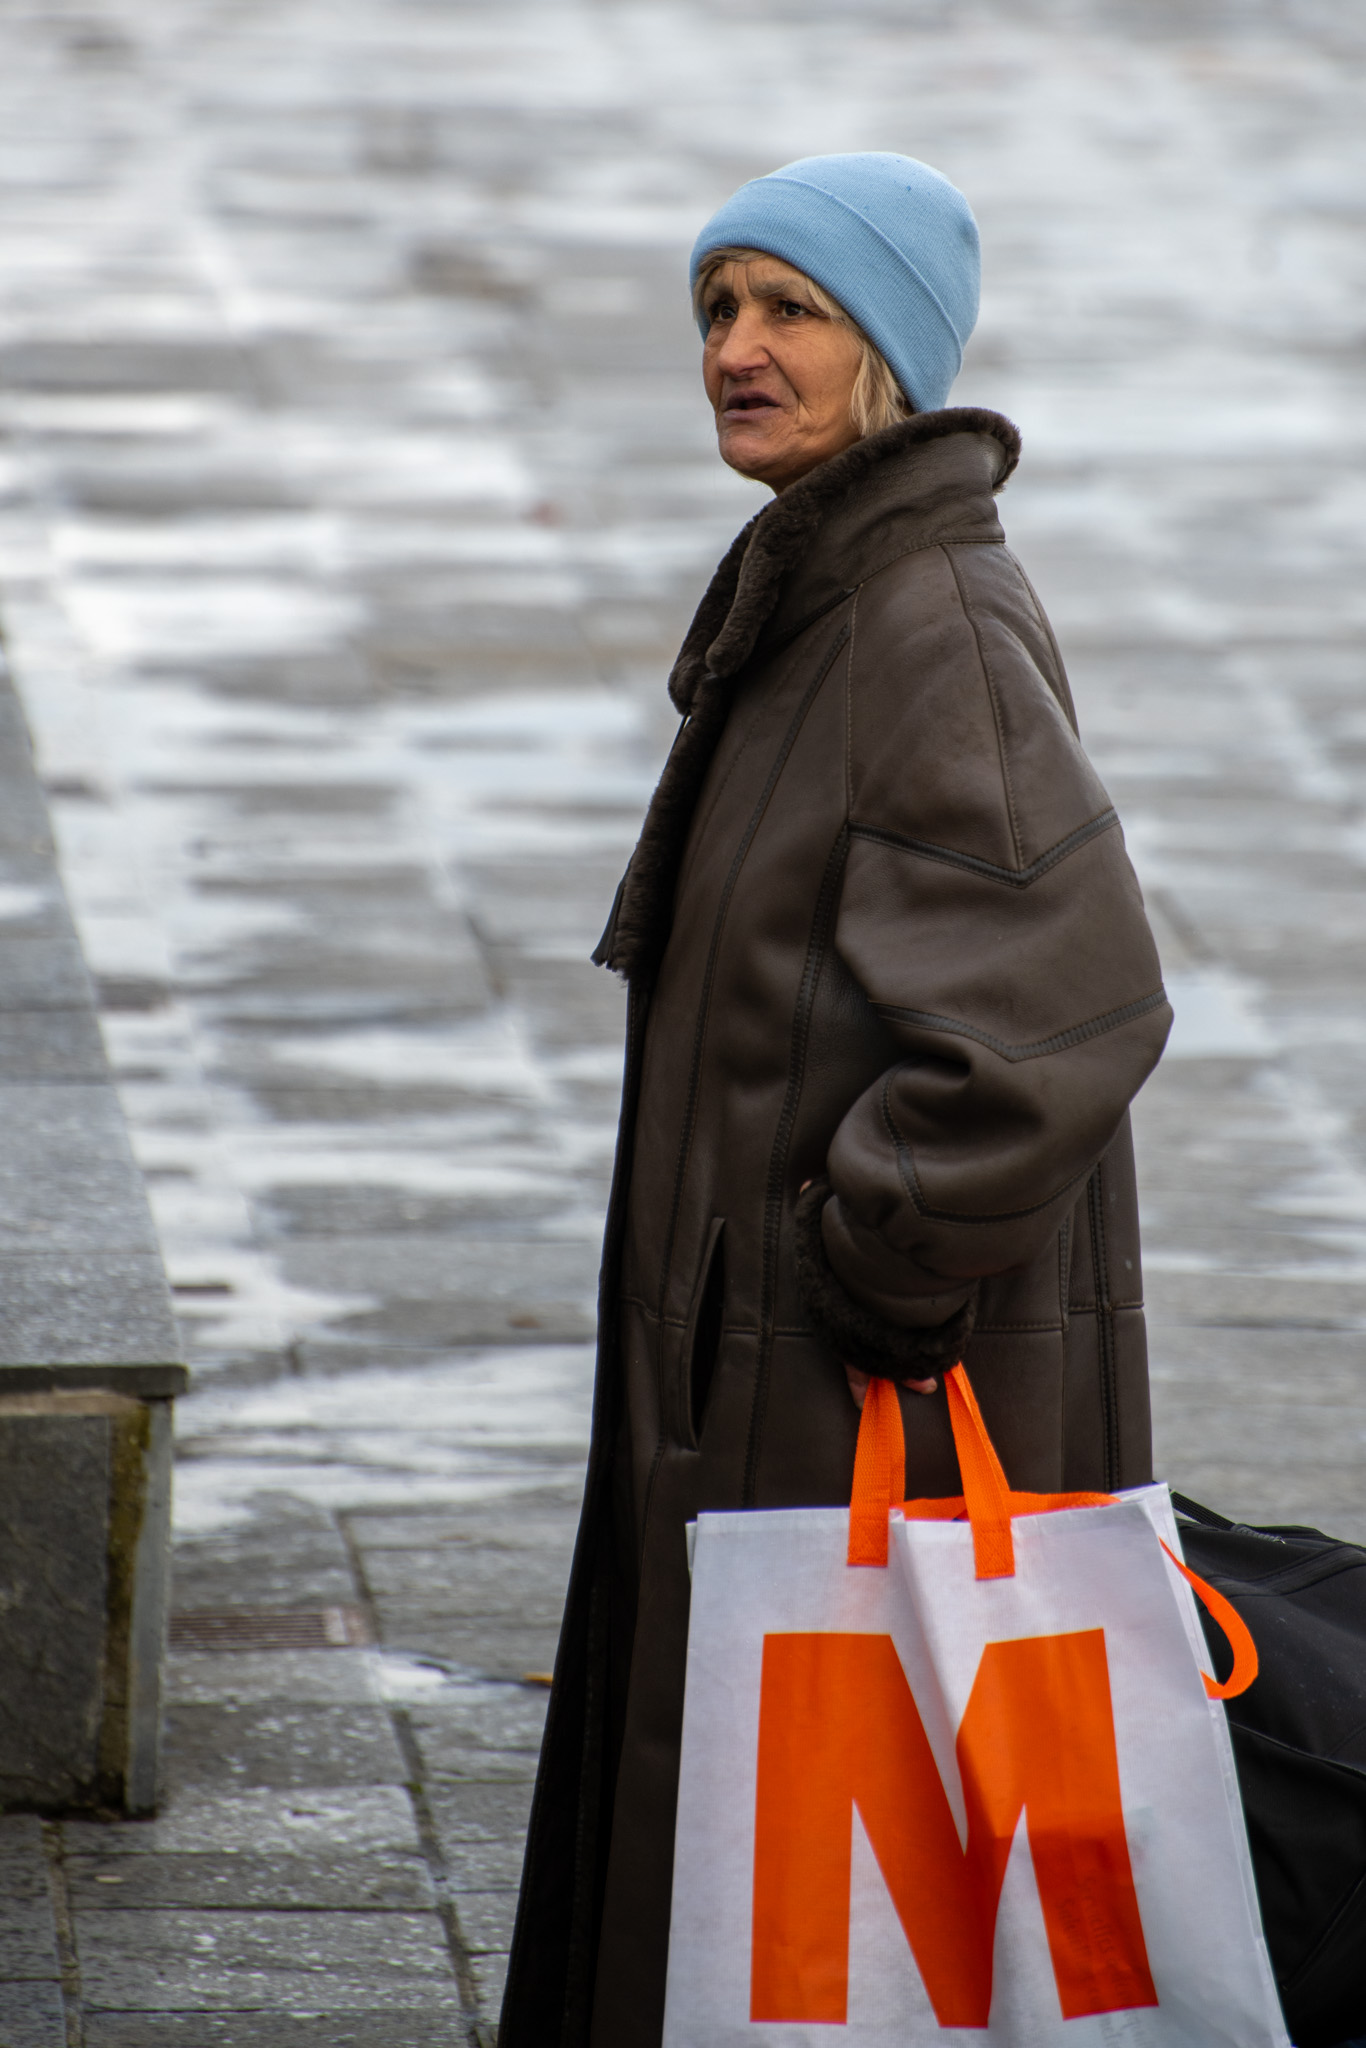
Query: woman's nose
[(741, 345)]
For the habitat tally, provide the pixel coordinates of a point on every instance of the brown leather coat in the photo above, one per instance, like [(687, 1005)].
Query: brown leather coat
[(881, 934)]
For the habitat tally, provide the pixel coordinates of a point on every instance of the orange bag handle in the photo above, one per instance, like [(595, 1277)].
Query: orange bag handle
[(1245, 1660), (879, 1473), (990, 1505)]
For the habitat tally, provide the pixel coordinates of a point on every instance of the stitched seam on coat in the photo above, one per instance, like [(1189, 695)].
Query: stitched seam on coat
[(987, 676), (849, 714), (1051, 637), (1014, 1329), (822, 924), (1105, 1325), (1095, 1027), (704, 1005), (709, 972), (928, 545), (905, 1163), (1014, 878), (770, 649), (698, 822), (906, 1169), (917, 547)]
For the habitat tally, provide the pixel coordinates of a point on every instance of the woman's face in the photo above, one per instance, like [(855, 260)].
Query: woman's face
[(778, 372)]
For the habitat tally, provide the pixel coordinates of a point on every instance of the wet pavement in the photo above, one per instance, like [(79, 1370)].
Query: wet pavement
[(355, 488)]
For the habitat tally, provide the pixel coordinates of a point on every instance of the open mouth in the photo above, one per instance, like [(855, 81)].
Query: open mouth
[(750, 401)]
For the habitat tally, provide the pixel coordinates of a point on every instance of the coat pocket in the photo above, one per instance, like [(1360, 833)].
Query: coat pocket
[(702, 1338)]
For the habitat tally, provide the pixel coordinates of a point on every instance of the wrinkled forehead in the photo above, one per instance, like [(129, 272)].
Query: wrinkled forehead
[(760, 277)]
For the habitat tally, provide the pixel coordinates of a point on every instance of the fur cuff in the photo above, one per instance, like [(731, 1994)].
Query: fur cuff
[(858, 1335)]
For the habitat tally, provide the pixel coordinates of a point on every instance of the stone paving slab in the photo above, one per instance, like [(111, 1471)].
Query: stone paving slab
[(32, 2015), (319, 1821), (396, 1881), (332, 2029), (32, 2009), (278, 1743), (269, 2030), (235, 1960)]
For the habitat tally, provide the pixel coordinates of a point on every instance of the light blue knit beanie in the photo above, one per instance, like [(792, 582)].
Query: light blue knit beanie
[(891, 239)]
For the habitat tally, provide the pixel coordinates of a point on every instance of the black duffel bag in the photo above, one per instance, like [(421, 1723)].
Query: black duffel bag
[(1299, 1739)]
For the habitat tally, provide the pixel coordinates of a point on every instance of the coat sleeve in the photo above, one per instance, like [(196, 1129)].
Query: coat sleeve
[(991, 916)]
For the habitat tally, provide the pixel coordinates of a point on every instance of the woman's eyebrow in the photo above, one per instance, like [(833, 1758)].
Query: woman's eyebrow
[(781, 288)]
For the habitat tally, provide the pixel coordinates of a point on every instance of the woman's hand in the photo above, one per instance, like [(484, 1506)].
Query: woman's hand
[(859, 1381)]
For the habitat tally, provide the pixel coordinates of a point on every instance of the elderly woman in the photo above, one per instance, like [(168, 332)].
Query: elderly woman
[(891, 993)]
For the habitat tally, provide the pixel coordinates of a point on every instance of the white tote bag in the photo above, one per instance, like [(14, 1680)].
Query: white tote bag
[(959, 1780)]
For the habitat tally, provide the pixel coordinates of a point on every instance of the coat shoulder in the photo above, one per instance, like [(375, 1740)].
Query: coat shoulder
[(961, 729)]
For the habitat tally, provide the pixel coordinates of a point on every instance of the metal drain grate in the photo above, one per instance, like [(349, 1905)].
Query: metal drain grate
[(270, 1628)]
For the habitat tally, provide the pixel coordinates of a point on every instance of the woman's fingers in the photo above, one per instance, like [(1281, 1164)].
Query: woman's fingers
[(859, 1382)]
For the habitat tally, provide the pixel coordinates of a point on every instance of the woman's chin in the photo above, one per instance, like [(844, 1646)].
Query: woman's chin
[(752, 451)]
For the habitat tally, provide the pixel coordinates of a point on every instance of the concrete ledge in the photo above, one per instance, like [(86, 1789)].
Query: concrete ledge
[(89, 1363), (84, 1529), (88, 1318)]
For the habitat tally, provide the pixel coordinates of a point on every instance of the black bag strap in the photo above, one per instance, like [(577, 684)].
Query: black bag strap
[(1193, 1512)]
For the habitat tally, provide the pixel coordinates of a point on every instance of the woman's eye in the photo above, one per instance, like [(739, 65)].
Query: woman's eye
[(791, 306)]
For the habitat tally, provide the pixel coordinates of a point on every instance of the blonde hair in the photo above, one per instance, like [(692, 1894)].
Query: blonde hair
[(876, 400)]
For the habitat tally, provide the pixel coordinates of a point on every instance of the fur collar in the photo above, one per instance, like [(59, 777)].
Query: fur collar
[(740, 601), (749, 578)]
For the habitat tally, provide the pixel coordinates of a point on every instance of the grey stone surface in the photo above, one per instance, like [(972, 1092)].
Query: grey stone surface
[(354, 490), (464, 1581), (486, 1920), (502, 1652), (24, 829), (275, 1743), (489, 1972), (303, 1677), (51, 1045), (483, 1814), (487, 1865), (265, 2030), (294, 1557), (388, 1881), (167, 1961), (32, 2016), (23, 1865), (84, 1544), (433, 1292), (84, 1475), (315, 1821), (31, 2008), (27, 1945), (103, 1311), (54, 1551), (32, 904), (41, 973), (67, 1178), (28, 1934)]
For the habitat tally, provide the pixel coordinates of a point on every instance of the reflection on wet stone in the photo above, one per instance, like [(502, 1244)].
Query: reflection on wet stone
[(354, 494)]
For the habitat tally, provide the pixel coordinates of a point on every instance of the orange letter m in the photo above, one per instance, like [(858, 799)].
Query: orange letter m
[(839, 1729)]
